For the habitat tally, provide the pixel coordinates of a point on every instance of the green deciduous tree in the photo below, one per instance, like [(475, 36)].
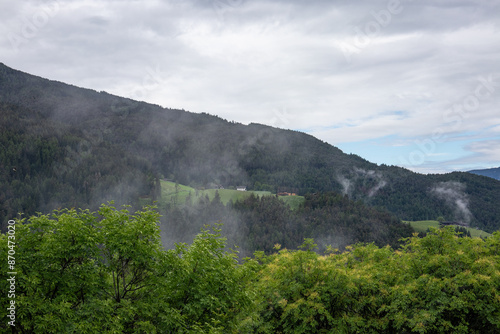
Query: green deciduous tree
[(205, 285), (437, 284), (107, 272)]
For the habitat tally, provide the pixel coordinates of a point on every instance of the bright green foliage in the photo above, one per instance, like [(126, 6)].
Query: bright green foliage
[(174, 193), (80, 272), (437, 284), (452, 285), (56, 269), (205, 285), (107, 272), (302, 292)]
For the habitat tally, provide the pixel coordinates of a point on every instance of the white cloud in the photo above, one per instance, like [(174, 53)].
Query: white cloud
[(488, 149)]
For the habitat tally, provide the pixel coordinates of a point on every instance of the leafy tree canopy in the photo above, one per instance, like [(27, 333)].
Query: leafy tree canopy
[(107, 272)]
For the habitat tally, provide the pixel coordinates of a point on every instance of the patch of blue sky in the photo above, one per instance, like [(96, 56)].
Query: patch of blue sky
[(491, 127), (392, 150), (403, 114), (378, 150)]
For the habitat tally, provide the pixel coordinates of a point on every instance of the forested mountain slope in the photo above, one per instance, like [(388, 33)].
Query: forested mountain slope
[(490, 172), (64, 146), (259, 223)]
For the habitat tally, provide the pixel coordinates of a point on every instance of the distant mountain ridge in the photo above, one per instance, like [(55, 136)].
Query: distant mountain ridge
[(490, 172), (64, 146)]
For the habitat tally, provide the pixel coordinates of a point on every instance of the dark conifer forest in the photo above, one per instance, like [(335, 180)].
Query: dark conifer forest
[(258, 224), (64, 146), (95, 244)]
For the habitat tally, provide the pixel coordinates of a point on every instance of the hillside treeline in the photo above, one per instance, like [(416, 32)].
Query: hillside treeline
[(258, 223), (107, 272), (64, 146), (47, 165)]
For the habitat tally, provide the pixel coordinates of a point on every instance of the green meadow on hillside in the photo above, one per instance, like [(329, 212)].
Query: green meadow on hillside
[(293, 201), (178, 194), (424, 225)]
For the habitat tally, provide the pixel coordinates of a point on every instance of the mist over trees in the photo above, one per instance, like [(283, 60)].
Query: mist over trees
[(259, 223), (342, 261), (76, 147), (107, 272), (64, 146)]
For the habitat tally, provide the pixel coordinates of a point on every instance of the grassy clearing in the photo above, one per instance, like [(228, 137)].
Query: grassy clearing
[(423, 225), (227, 195), (175, 193), (170, 193), (474, 232), (293, 201)]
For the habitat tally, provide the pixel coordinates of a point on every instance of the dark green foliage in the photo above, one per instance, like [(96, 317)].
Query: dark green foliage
[(462, 232), (259, 223)]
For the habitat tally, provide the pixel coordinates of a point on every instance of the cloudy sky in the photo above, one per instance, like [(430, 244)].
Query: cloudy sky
[(400, 82)]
